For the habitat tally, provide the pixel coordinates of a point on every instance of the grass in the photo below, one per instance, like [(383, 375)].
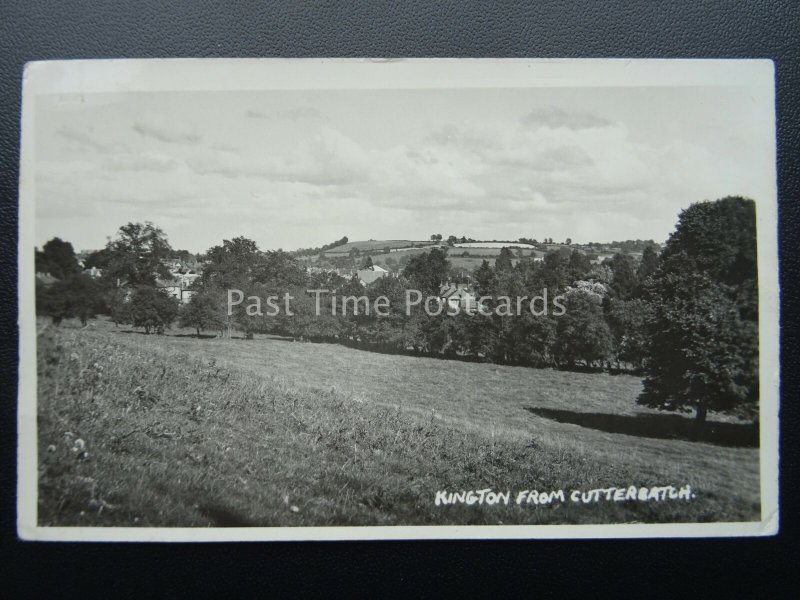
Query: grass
[(471, 263), (179, 431), (372, 245)]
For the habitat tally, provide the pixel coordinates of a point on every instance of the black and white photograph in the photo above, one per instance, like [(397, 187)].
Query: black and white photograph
[(305, 299)]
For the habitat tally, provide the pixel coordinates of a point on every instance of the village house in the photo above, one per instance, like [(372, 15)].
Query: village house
[(458, 297), (45, 278), (367, 276), (180, 280), (601, 257), (93, 272), (178, 286)]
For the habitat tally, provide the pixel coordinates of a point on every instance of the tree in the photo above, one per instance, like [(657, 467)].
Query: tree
[(427, 271), (99, 259), (203, 311), (485, 280), (628, 321), (555, 270), (582, 332), (136, 255), (579, 265), (503, 262), (391, 262), (436, 237), (151, 309), (232, 264), (703, 351), (78, 297), (649, 263), (280, 270), (367, 264), (624, 281), (57, 258)]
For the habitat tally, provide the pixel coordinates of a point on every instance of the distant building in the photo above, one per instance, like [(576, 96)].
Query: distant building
[(173, 264), (179, 285), (601, 257), (45, 278), (458, 296), (367, 276), (636, 256)]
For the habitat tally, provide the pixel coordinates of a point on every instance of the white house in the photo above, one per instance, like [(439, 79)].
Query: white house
[(367, 276), (458, 296), (178, 286)]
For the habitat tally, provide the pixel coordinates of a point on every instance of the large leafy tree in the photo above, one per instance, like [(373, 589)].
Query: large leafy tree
[(628, 322), (579, 265), (703, 351), (135, 257), (280, 270), (504, 260), (57, 258), (649, 263), (203, 311), (624, 280), (582, 331), (232, 264), (555, 272), (149, 308), (427, 271), (238, 263)]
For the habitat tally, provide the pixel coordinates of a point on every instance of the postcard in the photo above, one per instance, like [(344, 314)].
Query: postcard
[(331, 299)]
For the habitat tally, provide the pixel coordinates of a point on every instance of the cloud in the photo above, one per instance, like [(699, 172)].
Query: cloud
[(165, 130), (293, 176), (292, 114), (144, 162), (326, 158), (256, 114), (82, 139), (554, 118)]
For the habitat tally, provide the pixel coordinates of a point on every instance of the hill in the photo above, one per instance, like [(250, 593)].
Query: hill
[(179, 431), (375, 245)]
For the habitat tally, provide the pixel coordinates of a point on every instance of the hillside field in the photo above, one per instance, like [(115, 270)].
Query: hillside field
[(180, 431), (470, 263), (373, 245)]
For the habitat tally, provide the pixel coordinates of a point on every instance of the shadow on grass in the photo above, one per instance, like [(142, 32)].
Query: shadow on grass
[(203, 336), (673, 427)]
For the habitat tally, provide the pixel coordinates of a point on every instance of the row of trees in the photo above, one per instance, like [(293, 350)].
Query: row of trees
[(132, 263)]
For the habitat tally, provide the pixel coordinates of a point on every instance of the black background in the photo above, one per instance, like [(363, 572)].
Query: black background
[(34, 30)]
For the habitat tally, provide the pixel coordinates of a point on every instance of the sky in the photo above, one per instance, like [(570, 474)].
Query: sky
[(293, 169)]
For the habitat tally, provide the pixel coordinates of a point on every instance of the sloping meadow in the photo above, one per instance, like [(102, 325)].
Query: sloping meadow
[(133, 430)]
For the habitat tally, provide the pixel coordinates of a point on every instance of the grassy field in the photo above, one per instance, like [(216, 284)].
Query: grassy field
[(373, 245), (176, 430), (469, 263)]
